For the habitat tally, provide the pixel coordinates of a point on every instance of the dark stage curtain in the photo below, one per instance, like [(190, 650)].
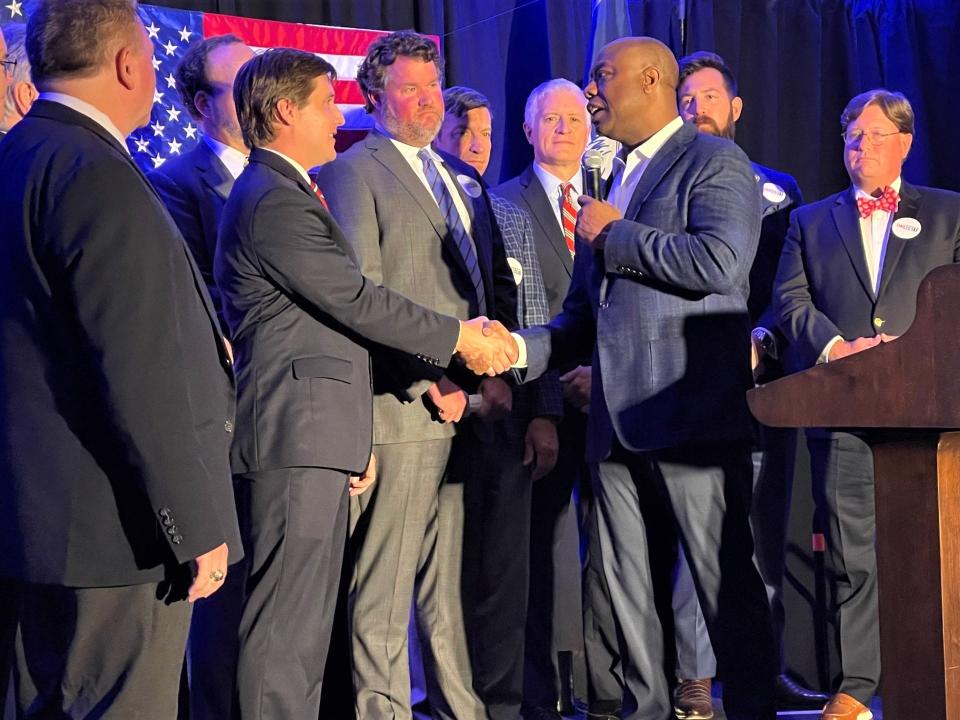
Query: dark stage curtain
[(798, 62)]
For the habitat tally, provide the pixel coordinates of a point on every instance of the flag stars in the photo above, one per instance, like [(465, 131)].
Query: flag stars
[(175, 146), (171, 81), (14, 8), (157, 96), (173, 115), (185, 34), (190, 131), (156, 63), (157, 128), (153, 31), (158, 160), (169, 47), (142, 145)]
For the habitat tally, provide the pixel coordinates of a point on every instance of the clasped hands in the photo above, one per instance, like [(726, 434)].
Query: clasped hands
[(486, 346)]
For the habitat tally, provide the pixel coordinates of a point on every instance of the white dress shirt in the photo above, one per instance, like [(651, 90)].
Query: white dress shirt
[(299, 168), (233, 159), (628, 171), (85, 108), (874, 236), (551, 186)]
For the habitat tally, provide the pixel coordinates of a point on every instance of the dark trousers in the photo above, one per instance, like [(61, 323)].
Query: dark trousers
[(841, 468), (294, 525), (554, 614), (111, 653), (699, 497), (497, 491), (9, 608)]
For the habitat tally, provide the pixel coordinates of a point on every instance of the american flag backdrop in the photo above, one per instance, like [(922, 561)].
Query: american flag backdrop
[(171, 130)]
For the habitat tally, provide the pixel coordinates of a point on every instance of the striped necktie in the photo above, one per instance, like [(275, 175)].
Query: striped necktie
[(568, 216), (319, 193), (455, 225)]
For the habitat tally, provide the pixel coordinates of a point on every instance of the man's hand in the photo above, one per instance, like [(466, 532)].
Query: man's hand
[(576, 387), (756, 358), (449, 400), (851, 347), (360, 484), (497, 399), (486, 346), (541, 444), (209, 573), (593, 219), (228, 347)]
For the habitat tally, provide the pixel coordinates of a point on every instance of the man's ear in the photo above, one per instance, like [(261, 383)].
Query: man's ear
[(201, 101), (124, 61), (651, 78), (285, 111), (24, 93), (737, 106), (528, 131)]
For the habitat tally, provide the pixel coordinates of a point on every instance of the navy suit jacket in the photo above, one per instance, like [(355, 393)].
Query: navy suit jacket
[(664, 305), (823, 286), (195, 187), (301, 316), (116, 391)]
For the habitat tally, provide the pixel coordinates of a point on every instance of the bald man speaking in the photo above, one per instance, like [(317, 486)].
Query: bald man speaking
[(662, 300)]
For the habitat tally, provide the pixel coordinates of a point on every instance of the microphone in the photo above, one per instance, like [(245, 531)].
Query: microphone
[(592, 168)]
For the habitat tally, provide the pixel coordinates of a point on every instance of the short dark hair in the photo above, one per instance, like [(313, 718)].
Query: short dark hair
[(265, 80), (71, 38), (893, 104), (383, 52), (701, 60), (191, 73), (459, 100)]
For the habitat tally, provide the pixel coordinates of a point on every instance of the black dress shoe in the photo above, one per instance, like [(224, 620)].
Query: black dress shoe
[(793, 696)]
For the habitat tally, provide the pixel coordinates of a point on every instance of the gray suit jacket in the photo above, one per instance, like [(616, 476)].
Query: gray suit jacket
[(404, 244), (664, 305), (301, 315)]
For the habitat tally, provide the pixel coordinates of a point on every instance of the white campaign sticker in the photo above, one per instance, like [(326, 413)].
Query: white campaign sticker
[(516, 268), (773, 192), (906, 228), (470, 186)]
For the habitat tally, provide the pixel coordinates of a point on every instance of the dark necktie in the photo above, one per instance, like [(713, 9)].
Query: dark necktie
[(455, 225)]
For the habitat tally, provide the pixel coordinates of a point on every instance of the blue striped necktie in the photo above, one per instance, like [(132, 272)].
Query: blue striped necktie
[(455, 225)]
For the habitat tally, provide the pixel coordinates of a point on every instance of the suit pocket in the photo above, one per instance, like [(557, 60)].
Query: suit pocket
[(323, 366)]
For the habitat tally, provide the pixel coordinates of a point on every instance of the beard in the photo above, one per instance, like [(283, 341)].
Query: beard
[(418, 134), (707, 124)]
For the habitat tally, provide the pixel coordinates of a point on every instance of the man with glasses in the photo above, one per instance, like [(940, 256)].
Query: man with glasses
[(6, 67), (21, 92), (847, 281)]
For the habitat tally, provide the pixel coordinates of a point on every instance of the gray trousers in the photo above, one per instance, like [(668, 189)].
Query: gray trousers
[(113, 653), (841, 466), (773, 466), (408, 541), (699, 497)]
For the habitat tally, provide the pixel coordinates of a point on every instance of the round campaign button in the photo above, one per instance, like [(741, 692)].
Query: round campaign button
[(516, 268), (773, 192), (470, 186), (906, 228)]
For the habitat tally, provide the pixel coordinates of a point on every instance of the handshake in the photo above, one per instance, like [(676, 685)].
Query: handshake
[(486, 346)]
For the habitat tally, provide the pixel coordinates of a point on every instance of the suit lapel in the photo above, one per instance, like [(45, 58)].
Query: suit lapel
[(540, 208), (214, 173), (845, 218), (662, 161), (909, 208)]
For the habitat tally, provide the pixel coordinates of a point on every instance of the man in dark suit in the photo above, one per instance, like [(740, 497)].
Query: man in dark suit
[(660, 296), (196, 185), (518, 452), (300, 311), (424, 228), (557, 126), (848, 280), (117, 387), (708, 98)]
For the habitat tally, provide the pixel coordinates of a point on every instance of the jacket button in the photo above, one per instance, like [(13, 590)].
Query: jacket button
[(172, 530), (168, 521), (228, 426), (165, 513), (176, 539)]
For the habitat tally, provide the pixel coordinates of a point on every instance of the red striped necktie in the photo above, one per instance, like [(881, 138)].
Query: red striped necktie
[(319, 193), (568, 217)]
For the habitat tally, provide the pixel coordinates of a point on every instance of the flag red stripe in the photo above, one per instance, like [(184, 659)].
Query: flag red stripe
[(348, 92)]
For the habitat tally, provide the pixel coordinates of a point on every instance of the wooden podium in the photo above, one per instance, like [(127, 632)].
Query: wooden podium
[(903, 398)]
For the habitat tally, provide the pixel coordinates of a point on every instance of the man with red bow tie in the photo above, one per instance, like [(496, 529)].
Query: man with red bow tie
[(847, 281)]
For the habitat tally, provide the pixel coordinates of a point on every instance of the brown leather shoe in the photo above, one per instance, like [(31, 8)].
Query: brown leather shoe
[(844, 707), (692, 700)]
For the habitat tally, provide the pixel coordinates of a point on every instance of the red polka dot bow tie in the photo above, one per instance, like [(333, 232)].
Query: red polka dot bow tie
[(886, 202)]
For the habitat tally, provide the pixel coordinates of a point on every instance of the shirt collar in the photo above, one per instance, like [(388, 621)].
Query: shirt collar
[(85, 108), (299, 168), (867, 196), (551, 183), (234, 160), (649, 147)]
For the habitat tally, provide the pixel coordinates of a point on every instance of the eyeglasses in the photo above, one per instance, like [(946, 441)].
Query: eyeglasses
[(853, 137), (9, 65)]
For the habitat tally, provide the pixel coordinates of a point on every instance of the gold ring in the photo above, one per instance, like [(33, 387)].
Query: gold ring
[(217, 575)]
